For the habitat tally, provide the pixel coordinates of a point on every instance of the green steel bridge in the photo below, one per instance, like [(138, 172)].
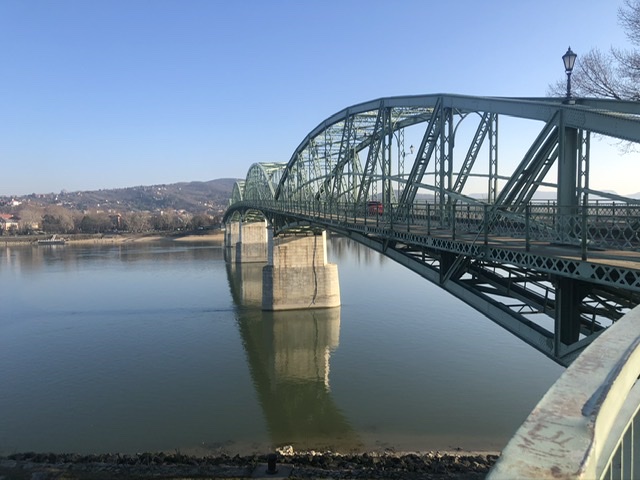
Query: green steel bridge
[(556, 273), (559, 273)]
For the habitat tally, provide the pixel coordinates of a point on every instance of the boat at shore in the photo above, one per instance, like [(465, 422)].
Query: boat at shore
[(53, 240)]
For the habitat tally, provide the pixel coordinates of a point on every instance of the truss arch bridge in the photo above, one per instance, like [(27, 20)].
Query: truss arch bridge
[(399, 174)]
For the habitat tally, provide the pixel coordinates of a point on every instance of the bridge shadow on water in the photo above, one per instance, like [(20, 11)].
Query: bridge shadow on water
[(288, 354)]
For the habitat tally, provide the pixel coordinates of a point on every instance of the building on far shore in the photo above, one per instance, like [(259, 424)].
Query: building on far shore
[(8, 222)]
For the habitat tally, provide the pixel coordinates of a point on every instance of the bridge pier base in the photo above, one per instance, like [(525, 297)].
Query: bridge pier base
[(246, 242), (231, 233), (298, 276)]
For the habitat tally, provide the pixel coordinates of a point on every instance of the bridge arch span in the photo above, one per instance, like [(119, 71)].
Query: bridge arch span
[(259, 185), (360, 153), (261, 181), (237, 192)]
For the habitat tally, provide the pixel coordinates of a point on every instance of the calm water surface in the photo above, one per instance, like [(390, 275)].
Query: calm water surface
[(162, 346)]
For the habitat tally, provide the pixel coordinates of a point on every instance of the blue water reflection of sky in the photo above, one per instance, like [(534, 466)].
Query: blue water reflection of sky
[(143, 348)]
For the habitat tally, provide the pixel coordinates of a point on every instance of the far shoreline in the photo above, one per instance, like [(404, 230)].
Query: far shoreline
[(196, 236)]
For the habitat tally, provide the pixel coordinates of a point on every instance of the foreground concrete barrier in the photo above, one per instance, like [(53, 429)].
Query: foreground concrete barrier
[(583, 426)]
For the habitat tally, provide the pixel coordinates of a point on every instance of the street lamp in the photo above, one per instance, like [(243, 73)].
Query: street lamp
[(569, 60)]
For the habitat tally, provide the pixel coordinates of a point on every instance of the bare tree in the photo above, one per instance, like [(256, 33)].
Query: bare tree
[(613, 74), (137, 222), (30, 217), (62, 218)]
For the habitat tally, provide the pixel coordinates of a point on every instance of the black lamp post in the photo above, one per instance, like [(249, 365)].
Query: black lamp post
[(569, 60)]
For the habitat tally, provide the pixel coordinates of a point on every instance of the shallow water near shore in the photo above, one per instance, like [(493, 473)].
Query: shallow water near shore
[(162, 346)]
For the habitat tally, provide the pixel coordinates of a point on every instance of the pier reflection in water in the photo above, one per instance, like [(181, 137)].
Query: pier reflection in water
[(289, 355)]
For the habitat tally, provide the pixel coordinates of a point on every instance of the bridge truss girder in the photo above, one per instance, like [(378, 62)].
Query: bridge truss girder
[(337, 142), (486, 124), (531, 171), (520, 297)]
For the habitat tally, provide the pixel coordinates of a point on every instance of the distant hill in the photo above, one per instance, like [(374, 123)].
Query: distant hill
[(194, 197)]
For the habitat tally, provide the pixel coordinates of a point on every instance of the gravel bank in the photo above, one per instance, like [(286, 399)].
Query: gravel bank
[(410, 466)]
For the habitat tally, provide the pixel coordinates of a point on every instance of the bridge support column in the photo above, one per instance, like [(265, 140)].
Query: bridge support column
[(447, 261), (567, 193), (569, 295), (298, 275), (246, 242), (231, 235)]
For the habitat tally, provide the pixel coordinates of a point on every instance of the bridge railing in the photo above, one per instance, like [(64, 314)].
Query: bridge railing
[(598, 225), (587, 425)]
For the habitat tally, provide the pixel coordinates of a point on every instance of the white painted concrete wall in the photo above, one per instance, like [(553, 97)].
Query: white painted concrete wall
[(574, 429)]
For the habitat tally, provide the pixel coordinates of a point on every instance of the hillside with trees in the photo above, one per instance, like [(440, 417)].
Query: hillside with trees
[(186, 205)]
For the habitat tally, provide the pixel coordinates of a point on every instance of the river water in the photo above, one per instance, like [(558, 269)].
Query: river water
[(162, 346)]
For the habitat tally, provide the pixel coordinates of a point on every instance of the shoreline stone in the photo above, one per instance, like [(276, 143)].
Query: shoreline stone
[(429, 465)]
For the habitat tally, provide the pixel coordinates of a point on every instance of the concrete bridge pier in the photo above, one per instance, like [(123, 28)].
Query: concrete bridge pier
[(246, 242), (297, 275), (231, 233)]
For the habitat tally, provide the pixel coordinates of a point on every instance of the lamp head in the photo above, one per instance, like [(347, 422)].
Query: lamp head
[(569, 60)]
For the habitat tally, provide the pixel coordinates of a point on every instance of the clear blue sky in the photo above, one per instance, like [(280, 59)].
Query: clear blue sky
[(103, 94)]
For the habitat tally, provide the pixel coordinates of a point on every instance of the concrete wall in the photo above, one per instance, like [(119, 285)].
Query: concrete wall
[(300, 276), (574, 430)]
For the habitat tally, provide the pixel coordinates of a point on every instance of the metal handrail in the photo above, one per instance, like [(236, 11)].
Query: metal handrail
[(597, 225)]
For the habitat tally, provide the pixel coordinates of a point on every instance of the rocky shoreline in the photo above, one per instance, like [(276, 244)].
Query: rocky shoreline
[(326, 465)]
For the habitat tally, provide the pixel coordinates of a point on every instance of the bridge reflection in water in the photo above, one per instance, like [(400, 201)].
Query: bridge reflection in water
[(289, 355)]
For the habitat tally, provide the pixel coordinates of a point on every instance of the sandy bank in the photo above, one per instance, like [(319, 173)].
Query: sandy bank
[(214, 237)]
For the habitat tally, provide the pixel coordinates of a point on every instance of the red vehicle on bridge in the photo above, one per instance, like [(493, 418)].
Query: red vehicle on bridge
[(375, 208)]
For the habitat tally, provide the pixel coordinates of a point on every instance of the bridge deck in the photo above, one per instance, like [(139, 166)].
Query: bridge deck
[(619, 258), (627, 259)]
